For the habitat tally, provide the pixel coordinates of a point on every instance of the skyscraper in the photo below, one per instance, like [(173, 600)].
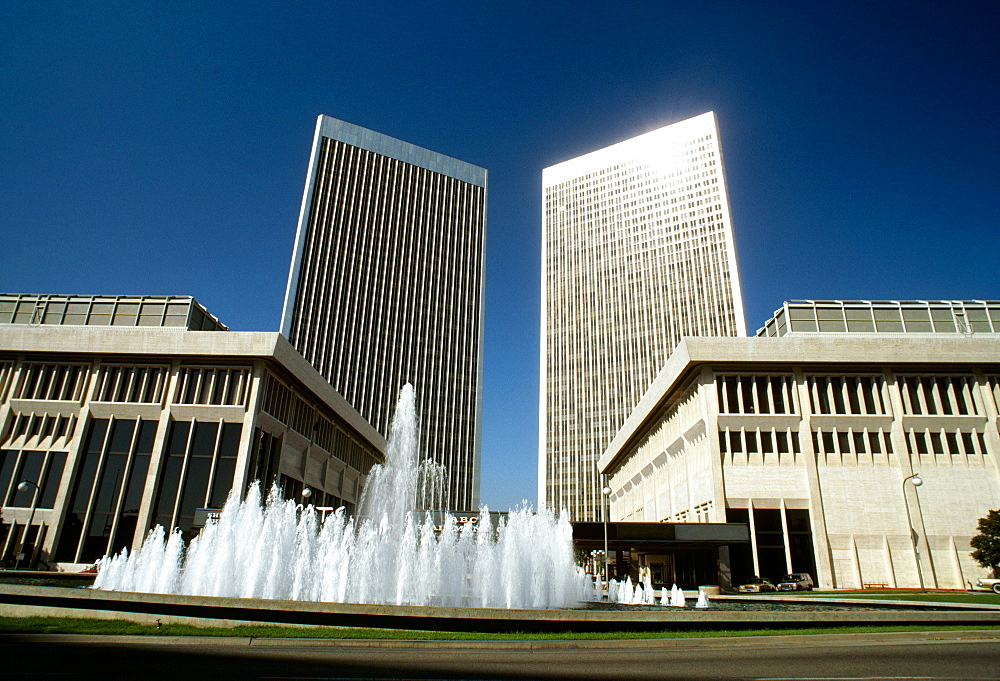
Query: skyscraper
[(637, 252), (386, 287)]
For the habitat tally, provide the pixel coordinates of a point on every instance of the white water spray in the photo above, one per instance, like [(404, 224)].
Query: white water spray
[(386, 555)]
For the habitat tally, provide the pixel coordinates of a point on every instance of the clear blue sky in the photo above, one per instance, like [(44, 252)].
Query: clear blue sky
[(161, 148)]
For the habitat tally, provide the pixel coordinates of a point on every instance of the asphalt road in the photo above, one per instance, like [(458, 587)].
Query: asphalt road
[(953, 655)]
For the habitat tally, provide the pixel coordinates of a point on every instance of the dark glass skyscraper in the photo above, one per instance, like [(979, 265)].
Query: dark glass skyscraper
[(386, 287)]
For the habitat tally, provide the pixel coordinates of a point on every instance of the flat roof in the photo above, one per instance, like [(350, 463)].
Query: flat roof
[(54, 308), (159, 343), (819, 350), (378, 143), (663, 145)]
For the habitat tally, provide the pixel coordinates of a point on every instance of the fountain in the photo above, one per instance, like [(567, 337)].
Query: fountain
[(637, 596), (626, 594), (386, 555), (649, 597)]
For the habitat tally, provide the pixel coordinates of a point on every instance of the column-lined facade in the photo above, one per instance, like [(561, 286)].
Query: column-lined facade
[(386, 287), (818, 438), (637, 252)]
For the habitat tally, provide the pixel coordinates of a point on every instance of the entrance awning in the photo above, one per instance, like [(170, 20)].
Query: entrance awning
[(649, 537)]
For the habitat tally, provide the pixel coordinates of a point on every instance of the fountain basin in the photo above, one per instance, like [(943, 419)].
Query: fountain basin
[(18, 600)]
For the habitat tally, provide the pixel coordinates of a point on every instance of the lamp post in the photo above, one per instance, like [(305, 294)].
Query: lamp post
[(916, 481), (607, 571), (23, 487)]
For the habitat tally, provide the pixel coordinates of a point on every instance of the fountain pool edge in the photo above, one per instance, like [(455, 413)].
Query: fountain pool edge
[(20, 601)]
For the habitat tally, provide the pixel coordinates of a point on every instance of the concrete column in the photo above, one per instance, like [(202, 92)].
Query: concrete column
[(146, 510), (73, 449), (983, 396), (709, 399), (725, 569), (911, 504), (923, 546), (897, 436), (817, 518), (958, 565), (5, 411), (256, 392), (888, 557), (784, 536), (857, 564)]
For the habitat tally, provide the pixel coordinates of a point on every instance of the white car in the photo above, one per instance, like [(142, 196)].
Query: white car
[(988, 584), (757, 585), (796, 581)]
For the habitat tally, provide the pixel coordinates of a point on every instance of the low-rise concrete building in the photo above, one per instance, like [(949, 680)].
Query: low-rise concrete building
[(814, 439), (124, 425)]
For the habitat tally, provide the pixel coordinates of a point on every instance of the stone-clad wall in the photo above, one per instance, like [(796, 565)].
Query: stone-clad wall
[(838, 443)]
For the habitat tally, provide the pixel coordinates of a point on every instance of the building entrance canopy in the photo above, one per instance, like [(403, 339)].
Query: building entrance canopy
[(647, 537)]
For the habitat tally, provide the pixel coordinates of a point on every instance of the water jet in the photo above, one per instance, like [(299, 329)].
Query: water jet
[(391, 553)]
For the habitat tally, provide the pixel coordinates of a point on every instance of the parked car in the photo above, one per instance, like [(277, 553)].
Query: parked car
[(988, 584), (756, 585), (796, 581)]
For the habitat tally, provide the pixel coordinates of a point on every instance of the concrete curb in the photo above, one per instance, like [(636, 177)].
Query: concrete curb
[(782, 640), (204, 610)]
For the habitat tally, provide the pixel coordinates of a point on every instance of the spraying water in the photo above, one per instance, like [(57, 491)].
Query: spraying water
[(387, 555)]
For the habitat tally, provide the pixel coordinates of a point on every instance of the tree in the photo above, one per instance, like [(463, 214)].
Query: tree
[(987, 542)]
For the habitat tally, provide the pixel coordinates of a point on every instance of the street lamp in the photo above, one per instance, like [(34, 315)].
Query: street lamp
[(23, 487), (607, 571), (916, 481)]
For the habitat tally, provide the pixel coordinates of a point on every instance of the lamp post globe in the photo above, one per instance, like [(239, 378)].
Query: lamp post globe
[(24, 486)]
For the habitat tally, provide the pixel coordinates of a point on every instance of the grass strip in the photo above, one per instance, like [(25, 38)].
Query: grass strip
[(981, 599), (99, 627)]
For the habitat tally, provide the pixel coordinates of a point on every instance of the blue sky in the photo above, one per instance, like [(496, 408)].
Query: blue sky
[(161, 148)]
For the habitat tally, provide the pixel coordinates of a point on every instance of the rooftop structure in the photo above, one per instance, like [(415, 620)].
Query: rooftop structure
[(884, 317), (70, 310)]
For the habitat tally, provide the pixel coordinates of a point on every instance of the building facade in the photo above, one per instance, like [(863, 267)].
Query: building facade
[(813, 439), (386, 287), (637, 252), (121, 428)]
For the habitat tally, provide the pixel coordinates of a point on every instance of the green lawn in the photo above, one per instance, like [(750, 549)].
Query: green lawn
[(984, 598), (70, 625)]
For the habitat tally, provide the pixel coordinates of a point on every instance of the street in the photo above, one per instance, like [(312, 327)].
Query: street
[(931, 655)]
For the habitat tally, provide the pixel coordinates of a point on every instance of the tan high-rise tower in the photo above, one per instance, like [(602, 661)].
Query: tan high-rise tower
[(637, 252), (386, 287)]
